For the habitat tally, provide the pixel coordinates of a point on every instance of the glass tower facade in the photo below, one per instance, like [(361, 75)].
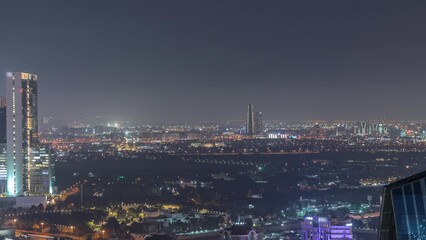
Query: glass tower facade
[(21, 129), (403, 213), (40, 170)]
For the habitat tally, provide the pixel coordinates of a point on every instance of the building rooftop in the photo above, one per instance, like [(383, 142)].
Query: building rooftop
[(239, 230)]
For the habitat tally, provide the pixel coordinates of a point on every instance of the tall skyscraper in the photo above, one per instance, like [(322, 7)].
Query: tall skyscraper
[(250, 120), (22, 129), (2, 120), (258, 123)]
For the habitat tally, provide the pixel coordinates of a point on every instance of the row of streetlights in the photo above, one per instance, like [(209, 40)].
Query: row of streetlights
[(72, 228), (42, 225)]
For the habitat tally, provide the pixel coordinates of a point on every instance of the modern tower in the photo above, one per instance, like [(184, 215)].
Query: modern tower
[(250, 120), (2, 120), (21, 129), (258, 123)]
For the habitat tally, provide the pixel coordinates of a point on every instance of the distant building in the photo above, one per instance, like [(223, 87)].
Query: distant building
[(47, 120), (278, 135), (341, 130), (250, 120), (159, 237), (316, 130), (240, 233), (319, 228), (46, 123), (362, 128), (258, 123), (403, 213), (23, 202)]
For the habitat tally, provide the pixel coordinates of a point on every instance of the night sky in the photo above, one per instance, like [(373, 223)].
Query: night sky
[(161, 61)]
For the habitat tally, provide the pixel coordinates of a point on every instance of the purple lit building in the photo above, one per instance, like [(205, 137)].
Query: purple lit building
[(321, 228)]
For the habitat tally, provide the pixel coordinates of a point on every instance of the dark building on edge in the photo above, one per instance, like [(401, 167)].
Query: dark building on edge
[(403, 209)]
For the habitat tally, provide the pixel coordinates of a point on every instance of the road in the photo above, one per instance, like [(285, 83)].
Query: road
[(43, 235)]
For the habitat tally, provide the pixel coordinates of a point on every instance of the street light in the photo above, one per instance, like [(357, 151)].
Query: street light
[(72, 229), (41, 230), (103, 232)]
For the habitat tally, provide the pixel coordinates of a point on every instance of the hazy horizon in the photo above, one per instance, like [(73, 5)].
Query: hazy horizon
[(169, 61)]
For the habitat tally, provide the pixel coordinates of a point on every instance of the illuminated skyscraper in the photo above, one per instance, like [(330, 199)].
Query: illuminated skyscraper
[(21, 129), (258, 123), (250, 120)]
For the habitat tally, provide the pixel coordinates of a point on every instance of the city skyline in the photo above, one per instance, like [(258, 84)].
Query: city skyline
[(212, 120), (140, 61)]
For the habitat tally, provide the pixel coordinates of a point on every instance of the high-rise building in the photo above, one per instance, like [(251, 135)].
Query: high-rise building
[(341, 130), (250, 120), (2, 120), (3, 169), (2, 101), (363, 128), (258, 123), (403, 213), (41, 170), (21, 129)]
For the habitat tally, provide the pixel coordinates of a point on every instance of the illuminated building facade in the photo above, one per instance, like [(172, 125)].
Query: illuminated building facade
[(250, 120), (21, 129), (41, 170), (403, 213), (3, 170), (321, 228)]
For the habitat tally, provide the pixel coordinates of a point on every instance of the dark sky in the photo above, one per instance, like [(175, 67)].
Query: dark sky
[(157, 61)]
